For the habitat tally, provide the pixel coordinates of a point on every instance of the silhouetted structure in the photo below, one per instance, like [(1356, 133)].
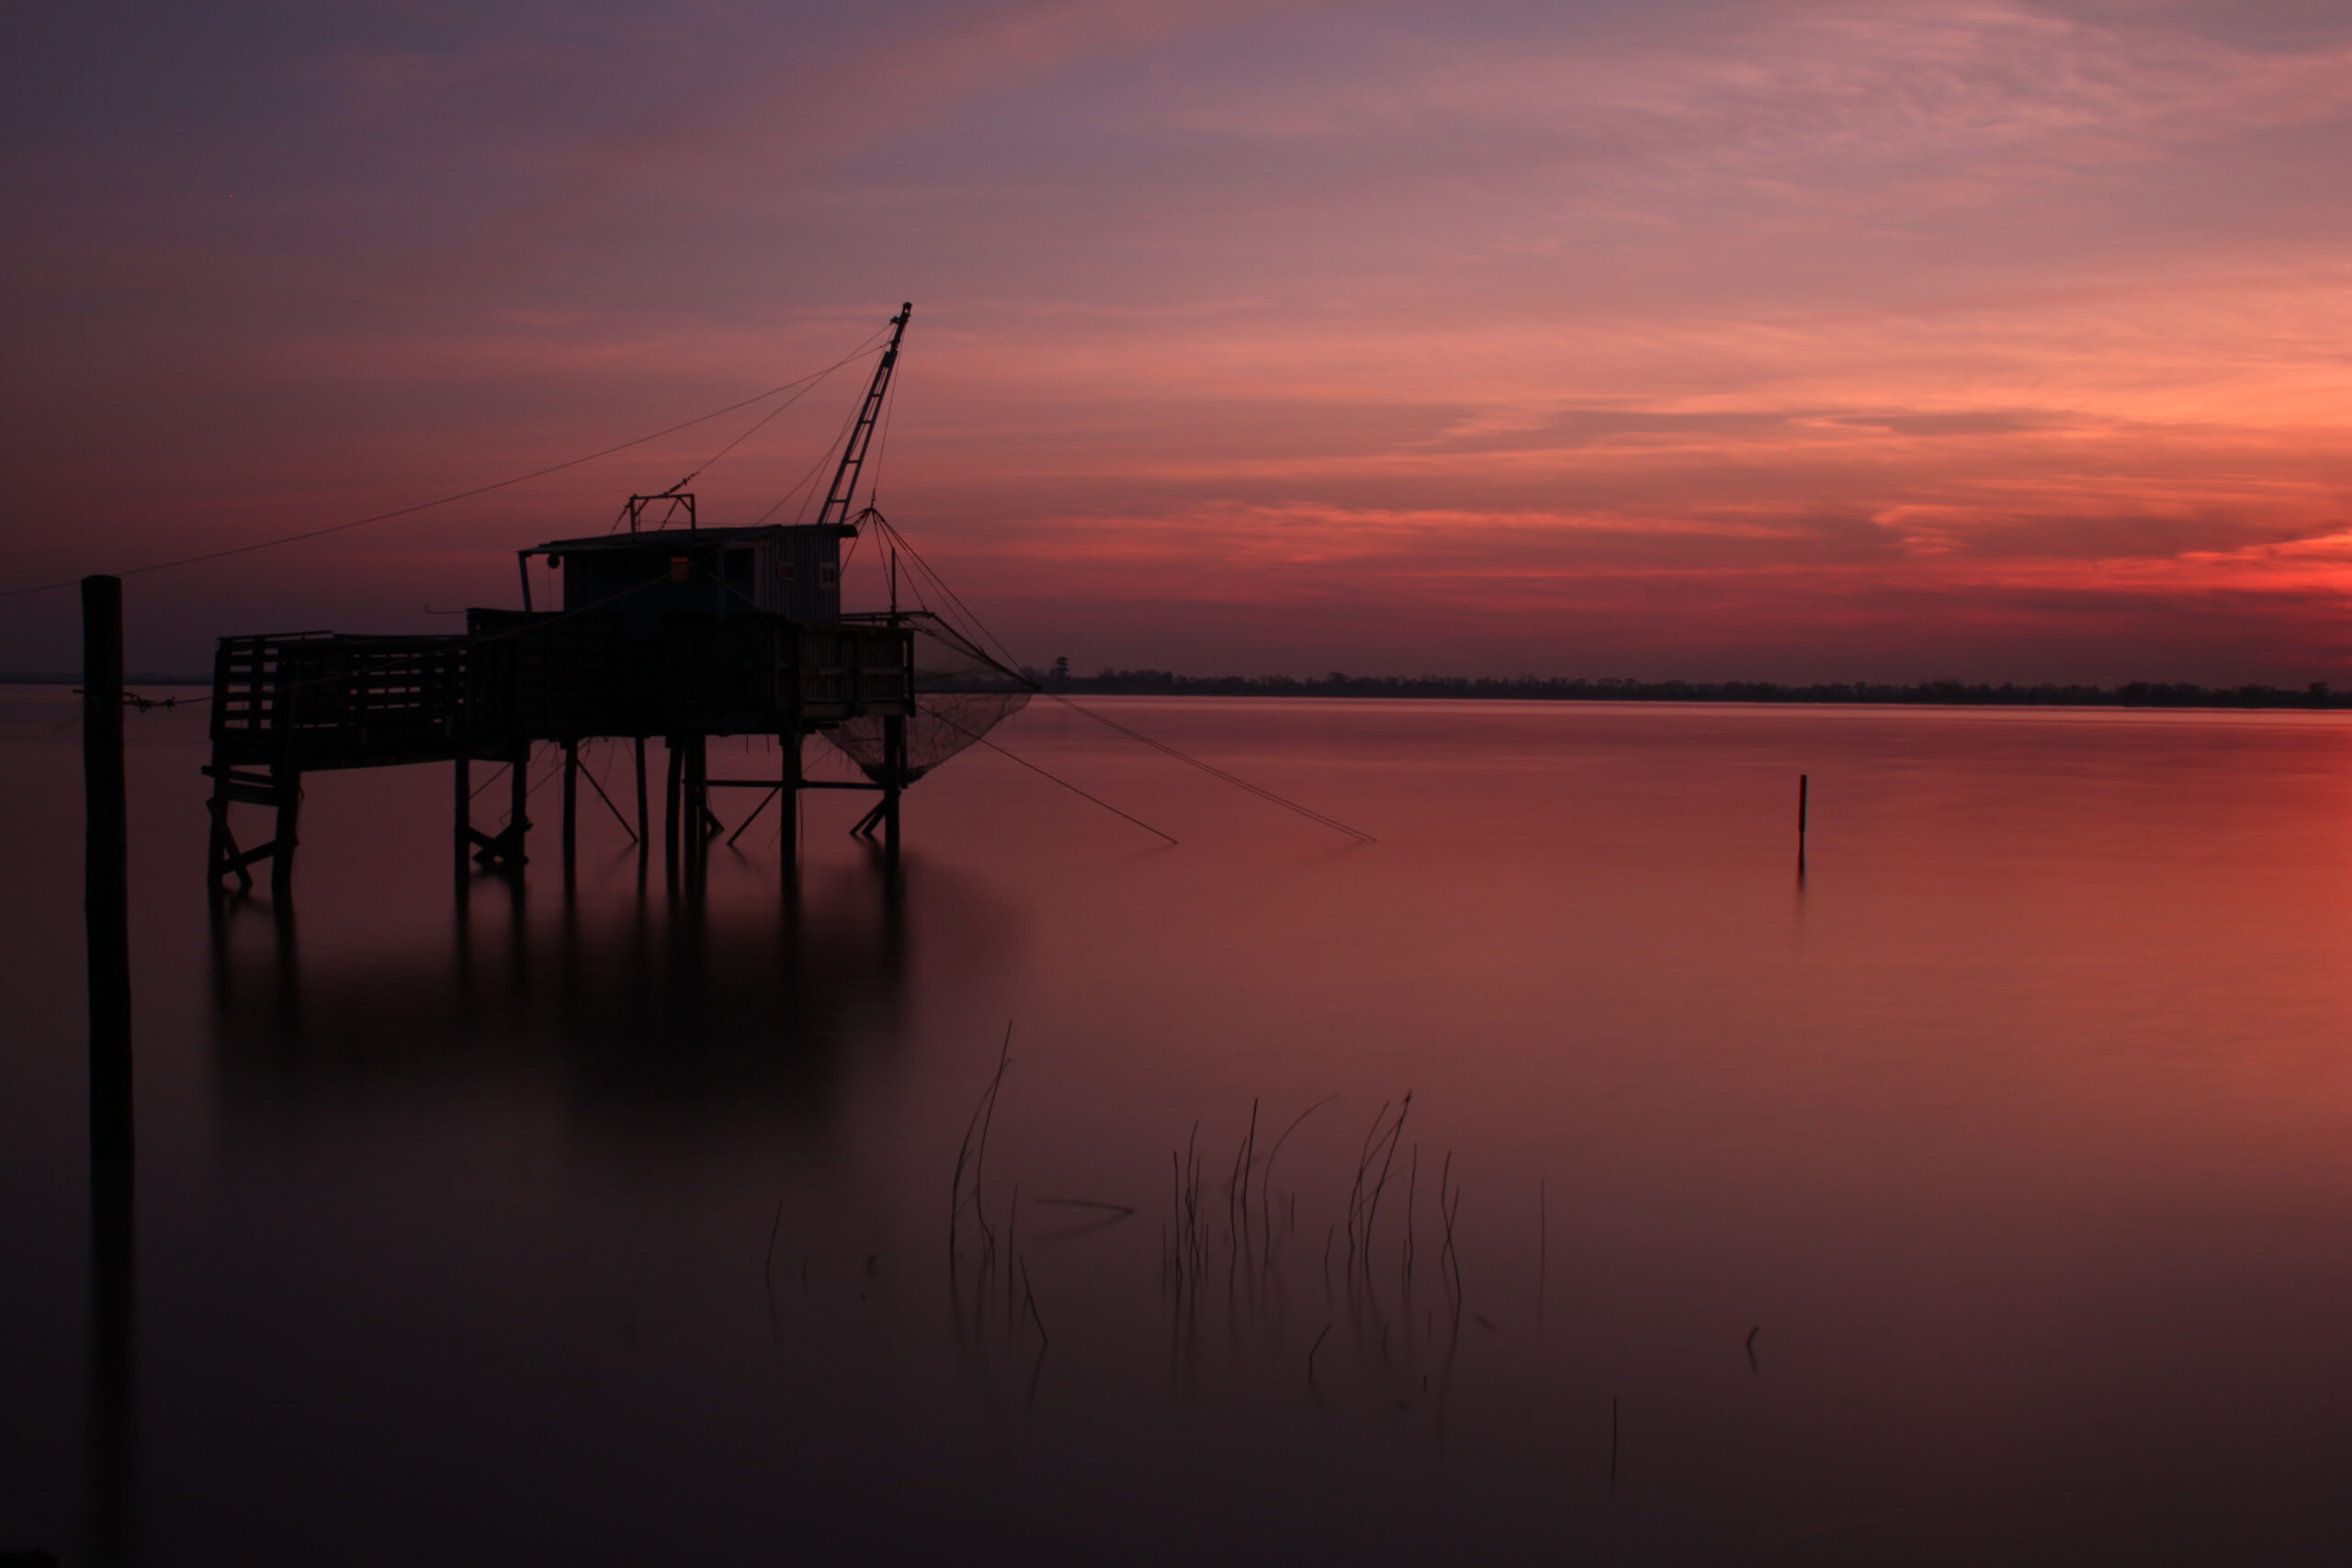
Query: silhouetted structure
[(680, 633)]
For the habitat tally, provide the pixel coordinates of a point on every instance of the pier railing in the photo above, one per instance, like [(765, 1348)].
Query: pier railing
[(310, 702)]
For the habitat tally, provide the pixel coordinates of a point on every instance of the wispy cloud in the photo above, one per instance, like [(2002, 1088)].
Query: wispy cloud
[(1409, 332)]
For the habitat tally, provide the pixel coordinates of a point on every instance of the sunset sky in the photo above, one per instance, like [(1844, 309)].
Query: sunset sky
[(1675, 338)]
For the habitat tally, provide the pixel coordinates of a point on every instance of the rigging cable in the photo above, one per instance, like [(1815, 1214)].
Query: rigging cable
[(1215, 771), (456, 496), (1162, 747), (809, 478), (761, 423), (1185, 756), (1056, 778), (953, 597)]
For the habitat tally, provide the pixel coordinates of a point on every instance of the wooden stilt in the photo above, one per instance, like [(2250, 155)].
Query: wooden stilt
[(502, 850), (279, 790), (518, 821), (570, 806), (894, 774), (644, 829), (696, 843), (674, 784), (789, 800), (461, 835), (221, 857), (289, 813)]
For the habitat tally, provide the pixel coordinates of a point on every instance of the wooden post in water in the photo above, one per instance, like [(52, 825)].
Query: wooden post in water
[(461, 790), (695, 845), (789, 800), (289, 830), (644, 832), (1805, 782), (106, 909), (672, 824), (894, 775), (106, 871), (570, 805), (518, 795)]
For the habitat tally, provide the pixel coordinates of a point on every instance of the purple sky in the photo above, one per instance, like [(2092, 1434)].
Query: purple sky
[(1771, 340)]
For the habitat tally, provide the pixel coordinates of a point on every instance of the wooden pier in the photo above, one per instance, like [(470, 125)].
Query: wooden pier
[(288, 705)]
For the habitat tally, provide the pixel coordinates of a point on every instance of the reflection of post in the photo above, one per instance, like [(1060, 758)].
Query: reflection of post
[(112, 1540), (461, 780), (894, 774), (893, 913), (695, 845), (106, 909), (644, 832), (288, 832), (518, 795), (517, 930), (571, 808), (671, 825), (788, 798)]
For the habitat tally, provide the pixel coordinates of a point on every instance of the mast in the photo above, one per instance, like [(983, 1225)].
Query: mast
[(837, 499)]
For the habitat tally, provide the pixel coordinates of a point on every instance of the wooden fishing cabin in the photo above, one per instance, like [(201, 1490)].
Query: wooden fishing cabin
[(665, 629)]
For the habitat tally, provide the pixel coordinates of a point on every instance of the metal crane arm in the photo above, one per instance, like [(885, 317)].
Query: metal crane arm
[(837, 499)]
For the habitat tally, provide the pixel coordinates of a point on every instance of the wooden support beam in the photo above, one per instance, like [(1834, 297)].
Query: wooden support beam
[(518, 821), (238, 859), (774, 790), (259, 789), (788, 784), (673, 786), (894, 775), (634, 837), (221, 857), (571, 806), (694, 843), (461, 820), (644, 830), (289, 812), (245, 794)]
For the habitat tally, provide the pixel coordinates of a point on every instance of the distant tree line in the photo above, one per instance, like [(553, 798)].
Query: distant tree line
[(2137, 693)]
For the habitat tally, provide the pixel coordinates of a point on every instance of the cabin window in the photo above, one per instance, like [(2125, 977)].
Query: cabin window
[(677, 569), (828, 575), (784, 570)]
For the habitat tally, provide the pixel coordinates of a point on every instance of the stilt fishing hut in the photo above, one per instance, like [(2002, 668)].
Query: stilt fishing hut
[(666, 630)]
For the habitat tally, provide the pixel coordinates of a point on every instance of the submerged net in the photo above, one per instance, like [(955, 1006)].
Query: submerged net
[(960, 695)]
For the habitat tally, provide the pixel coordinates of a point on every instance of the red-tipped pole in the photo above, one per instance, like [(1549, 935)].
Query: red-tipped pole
[(1804, 782)]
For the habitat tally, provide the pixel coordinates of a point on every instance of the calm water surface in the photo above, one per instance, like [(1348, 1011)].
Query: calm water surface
[(1982, 1198)]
